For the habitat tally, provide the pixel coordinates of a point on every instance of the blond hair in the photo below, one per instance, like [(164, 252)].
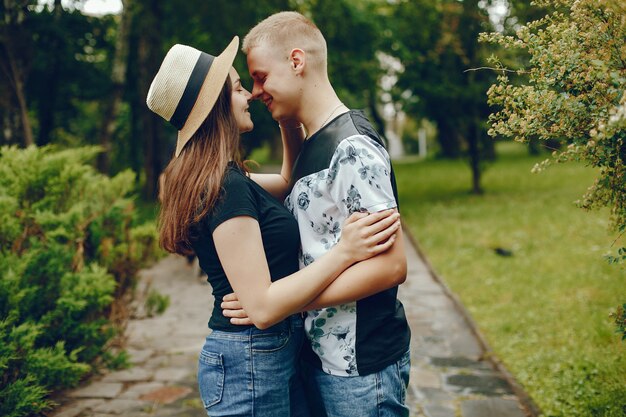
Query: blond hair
[(288, 30)]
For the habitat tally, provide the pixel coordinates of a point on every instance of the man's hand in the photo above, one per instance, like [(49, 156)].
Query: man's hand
[(231, 307)]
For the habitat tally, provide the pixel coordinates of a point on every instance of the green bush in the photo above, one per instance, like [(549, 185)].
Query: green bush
[(620, 320), (156, 303), (68, 252)]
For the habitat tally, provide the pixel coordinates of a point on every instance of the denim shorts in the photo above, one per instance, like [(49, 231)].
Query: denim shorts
[(253, 373), (380, 394)]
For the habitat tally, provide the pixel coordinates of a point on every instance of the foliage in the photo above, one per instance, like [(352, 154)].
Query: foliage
[(620, 320), (66, 60), (544, 308), (156, 303), (67, 252), (573, 91), (439, 78)]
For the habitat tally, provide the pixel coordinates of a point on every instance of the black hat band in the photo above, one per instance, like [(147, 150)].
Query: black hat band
[(192, 89)]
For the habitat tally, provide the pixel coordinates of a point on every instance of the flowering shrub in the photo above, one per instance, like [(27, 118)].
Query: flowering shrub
[(572, 90)]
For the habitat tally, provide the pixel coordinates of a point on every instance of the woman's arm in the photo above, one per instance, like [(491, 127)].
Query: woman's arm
[(266, 302), (292, 134), (363, 279)]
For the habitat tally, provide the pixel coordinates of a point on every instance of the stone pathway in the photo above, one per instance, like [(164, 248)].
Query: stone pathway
[(449, 378)]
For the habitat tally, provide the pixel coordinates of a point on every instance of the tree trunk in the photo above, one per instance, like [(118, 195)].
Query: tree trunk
[(448, 138), (47, 107), (18, 85), (471, 20), (473, 138), (118, 81), (14, 69), (149, 59)]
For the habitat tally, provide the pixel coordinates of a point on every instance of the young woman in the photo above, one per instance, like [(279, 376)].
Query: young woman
[(244, 238)]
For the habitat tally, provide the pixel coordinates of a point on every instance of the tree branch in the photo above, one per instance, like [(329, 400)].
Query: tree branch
[(496, 69)]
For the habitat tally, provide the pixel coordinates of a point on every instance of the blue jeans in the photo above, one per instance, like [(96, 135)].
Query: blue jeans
[(253, 373), (380, 394)]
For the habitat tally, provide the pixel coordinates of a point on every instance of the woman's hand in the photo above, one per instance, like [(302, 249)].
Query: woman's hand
[(365, 235)]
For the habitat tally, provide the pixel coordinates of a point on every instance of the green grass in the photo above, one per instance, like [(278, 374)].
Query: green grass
[(545, 309)]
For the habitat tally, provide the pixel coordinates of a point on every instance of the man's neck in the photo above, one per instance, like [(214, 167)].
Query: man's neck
[(321, 106)]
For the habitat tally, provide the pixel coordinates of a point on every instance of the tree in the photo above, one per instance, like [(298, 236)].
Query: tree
[(118, 81), (572, 90), (15, 49), (352, 31), (55, 60), (438, 56)]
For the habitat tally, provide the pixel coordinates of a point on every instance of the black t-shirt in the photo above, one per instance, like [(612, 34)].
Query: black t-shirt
[(240, 196)]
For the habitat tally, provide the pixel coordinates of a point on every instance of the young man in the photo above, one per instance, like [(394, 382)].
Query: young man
[(358, 356)]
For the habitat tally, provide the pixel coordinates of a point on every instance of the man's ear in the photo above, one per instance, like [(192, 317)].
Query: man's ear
[(297, 60)]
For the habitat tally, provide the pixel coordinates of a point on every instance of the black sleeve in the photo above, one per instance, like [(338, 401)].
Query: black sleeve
[(237, 198)]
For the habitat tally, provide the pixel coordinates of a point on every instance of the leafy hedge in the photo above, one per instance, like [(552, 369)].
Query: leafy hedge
[(69, 253)]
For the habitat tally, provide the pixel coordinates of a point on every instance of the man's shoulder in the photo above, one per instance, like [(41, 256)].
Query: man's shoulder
[(364, 127), (320, 148)]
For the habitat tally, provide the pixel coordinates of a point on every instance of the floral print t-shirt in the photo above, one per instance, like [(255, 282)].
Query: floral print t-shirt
[(344, 168)]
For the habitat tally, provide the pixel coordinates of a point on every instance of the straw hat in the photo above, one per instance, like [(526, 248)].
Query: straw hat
[(187, 86)]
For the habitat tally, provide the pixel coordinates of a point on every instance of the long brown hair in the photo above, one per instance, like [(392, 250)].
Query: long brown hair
[(192, 181)]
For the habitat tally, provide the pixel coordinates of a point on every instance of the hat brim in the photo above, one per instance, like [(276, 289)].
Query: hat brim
[(209, 92)]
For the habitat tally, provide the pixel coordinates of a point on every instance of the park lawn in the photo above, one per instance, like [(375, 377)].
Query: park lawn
[(545, 309)]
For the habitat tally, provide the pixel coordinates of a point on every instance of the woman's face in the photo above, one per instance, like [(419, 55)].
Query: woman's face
[(240, 103)]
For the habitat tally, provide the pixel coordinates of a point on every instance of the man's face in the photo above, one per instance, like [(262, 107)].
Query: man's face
[(274, 81)]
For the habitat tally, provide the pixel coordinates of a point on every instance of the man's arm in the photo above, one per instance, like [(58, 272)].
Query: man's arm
[(366, 278)]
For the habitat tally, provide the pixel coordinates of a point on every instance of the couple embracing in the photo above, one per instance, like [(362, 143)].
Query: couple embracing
[(305, 264)]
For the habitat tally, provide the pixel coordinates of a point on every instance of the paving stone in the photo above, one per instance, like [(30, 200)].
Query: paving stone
[(179, 413), (491, 407), (422, 329), (77, 407), (464, 343), (425, 378), (136, 390), (432, 346), (98, 390), (437, 302), (120, 406), (156, 362), (166, 395), (189, 361), (459, 362), (434, 395), (490, 385), (129, 375), (439, 411), (172, 374), (138, 356)]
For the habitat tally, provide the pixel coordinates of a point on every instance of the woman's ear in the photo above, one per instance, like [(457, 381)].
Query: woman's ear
[(297, 58)]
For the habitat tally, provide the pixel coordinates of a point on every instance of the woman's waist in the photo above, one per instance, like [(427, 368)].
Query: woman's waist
[(237, 332)]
